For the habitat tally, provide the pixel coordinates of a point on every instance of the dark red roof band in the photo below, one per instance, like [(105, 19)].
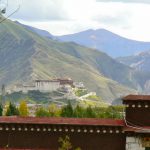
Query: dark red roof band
[(62, 121), (137, 98)]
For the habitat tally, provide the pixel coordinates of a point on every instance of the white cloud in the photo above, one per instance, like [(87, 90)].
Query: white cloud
[(63, 27), (35, 10), (68, 16), (126, 1)]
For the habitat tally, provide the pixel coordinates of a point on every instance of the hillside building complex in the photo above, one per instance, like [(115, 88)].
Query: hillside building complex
[(130, 133), (44, 85)]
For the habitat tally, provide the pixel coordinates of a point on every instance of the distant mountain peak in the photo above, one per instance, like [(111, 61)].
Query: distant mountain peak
[(107, 41), (102, 39)]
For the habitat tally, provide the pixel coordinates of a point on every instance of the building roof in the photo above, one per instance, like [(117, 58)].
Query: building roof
[(137, 129), (137, 98), (61, 121), (54, 80)]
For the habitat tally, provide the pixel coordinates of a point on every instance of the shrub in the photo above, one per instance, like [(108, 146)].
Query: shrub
[(42, 112)]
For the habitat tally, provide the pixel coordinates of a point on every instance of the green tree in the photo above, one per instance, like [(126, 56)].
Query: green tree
[(54, 111), (12, 110), (65, 144), (23, 109), (109, 112), (1, 109), (67, 111), (100, 112), (80, 92), (89, 113), (42, 112), (79, 112)]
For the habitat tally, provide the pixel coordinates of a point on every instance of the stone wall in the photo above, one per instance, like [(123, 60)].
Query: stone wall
[(134, 143)]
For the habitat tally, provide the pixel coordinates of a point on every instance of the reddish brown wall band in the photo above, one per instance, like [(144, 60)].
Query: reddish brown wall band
[(138, 116), (49, 140)]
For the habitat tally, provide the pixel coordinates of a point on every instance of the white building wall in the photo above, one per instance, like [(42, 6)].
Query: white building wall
[(26, 89), (47, 86), (43, 86), (134, 143), (23, 88)]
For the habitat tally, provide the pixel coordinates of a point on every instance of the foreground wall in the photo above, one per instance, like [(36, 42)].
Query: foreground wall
[(46, 137)]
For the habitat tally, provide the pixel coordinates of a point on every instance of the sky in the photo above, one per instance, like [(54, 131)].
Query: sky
[(128, 18)]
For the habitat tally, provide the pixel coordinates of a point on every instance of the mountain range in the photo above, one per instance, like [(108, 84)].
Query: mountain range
[(108, 42), (101, 39), (27, 56)]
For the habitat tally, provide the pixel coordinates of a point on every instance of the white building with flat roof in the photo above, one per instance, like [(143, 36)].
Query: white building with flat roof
[(44, 85), (47, 85)]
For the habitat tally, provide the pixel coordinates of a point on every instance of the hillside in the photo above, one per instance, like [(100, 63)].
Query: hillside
[(55, 97), (100, 61), (107, 66), (28, 56), (111, 43), (140, 63)]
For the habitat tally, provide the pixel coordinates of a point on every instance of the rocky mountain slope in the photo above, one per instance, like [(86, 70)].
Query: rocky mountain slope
[(140, 63)]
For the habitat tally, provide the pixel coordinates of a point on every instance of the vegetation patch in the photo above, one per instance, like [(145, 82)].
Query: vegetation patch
[(81, 92)]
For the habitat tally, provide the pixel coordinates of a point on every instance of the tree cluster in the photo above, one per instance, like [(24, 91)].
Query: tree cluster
[(81, 112), (11, 109), (68, 111)]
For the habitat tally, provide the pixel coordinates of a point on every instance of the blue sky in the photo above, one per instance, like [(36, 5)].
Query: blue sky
[(129, 18)]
